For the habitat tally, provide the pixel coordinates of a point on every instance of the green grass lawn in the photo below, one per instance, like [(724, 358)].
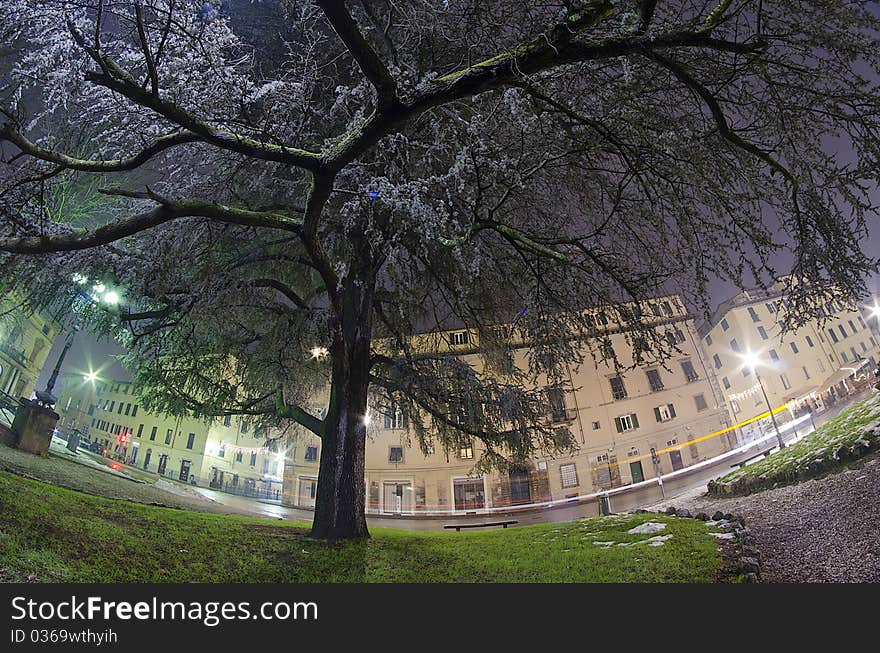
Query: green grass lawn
[(794, 462), (59, 535)]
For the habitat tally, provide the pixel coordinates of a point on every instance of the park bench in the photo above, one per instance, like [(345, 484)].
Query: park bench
[(743, 463), (504, 524)]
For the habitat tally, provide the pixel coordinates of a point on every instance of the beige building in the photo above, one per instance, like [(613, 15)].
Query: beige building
[(224, 453), (808, 368), (615, 420), (26, 337)]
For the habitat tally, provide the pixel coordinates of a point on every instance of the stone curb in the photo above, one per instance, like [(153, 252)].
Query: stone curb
[(863, 446)]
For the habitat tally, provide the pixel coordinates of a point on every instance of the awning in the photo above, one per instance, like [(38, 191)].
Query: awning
[(803, 394), (840, 375)]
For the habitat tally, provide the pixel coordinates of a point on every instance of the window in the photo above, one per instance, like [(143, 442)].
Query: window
[(854, 353), (395, 419), (466, 451), (227, 420), (221, 452), (773, 355), (244, 426), (127, 408), (771, 306), (809, 341), (785, 382), (700, 401), (762, 332), (852, 326), (724, 325), (717, 359), (843, 357), (842, 330), (726, 383), (311, 453), (654, 380), (569, 475), (708, 341), (168, 435), (754, 315), (820, 365), (734, 345), (664, 413), (153, 433), (679, 336), (734, 406), (862, 322), (746, 371), (833, 335), (140, 431), (254, 459), (667, 308), (873, 342), (806, 372), (265, 466), (190, 440), (562, 437), (91, 406), (794, 348), (395, 455), (238, 456), (596, 426), (121, 406), (618, 390), (863, 346), (460, 338), (689, 372), (112, 404), (626, 422)]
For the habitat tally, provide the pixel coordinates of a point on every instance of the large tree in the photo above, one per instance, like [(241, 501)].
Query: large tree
[(286, 178)]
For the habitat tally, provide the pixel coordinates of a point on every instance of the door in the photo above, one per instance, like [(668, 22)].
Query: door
[(163, 461), (635, 469), (469, 494), (397, 497), (308, 489), (134, 453), (675, 459), (184, 470), (519, 486)]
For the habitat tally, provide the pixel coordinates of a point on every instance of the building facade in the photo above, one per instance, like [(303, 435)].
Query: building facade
[(628, 427), (26, 337), (809, 368), (223, 453)]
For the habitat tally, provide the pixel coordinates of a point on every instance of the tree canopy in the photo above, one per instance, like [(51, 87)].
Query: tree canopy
[(263, 180)]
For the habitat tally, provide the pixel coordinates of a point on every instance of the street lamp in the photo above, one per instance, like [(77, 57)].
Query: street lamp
[(752, 361)]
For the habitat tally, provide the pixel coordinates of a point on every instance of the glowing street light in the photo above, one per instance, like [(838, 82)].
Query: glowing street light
[(111, 297), (751, 360), (91, 377)]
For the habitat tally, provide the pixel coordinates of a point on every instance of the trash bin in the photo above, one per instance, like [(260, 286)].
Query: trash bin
[(73, 441), (604, 504)]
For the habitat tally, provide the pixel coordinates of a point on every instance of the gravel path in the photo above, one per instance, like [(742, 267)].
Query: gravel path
[(821, 531)]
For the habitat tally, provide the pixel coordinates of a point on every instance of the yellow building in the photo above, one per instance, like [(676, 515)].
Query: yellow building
[(615, 419), (26, 337), (810, 367), (224, 453)]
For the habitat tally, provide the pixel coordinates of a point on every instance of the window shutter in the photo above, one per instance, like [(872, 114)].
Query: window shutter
[(657, 413), (671, 410), (618, 425), (635, 421)]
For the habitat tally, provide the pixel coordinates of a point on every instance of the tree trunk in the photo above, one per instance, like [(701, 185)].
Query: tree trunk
[(340, 510)]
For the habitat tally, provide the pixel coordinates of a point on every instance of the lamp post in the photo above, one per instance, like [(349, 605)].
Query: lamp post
[(751, 361)]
